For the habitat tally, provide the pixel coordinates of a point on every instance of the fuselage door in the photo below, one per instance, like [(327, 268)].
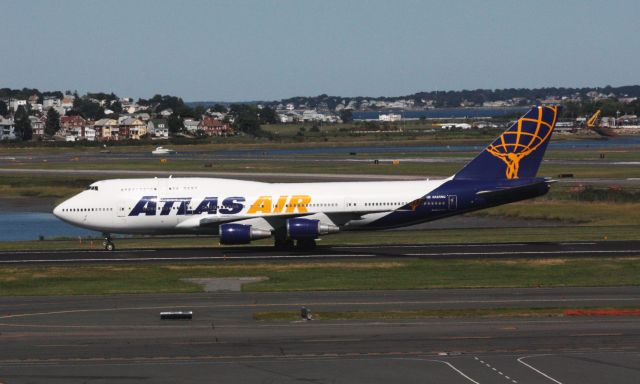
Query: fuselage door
[(452, 202), (121, 209)]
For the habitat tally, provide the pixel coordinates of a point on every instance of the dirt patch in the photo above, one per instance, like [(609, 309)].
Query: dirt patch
[(224, 284)]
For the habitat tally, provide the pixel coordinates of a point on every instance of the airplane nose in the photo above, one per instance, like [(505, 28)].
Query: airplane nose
[(57, 211)]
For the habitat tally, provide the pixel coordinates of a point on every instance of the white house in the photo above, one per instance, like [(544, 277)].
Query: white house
[(7, 129), (50, 101), (15, 103), (158, 128), (191, 125), (37, 126), (90, 133)]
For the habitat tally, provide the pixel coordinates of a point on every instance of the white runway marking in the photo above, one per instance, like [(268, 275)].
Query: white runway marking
[(449, 365), (520, 360)]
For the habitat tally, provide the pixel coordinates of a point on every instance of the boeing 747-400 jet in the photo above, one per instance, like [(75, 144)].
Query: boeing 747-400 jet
[(299, 213)]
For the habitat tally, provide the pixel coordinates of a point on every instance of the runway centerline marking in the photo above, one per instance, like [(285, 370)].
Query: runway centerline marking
[(521, 361)]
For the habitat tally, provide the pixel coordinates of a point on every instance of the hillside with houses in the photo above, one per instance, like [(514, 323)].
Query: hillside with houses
[(72, 118), (29, 114)]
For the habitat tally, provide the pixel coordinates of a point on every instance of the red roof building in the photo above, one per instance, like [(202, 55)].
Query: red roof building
[(214, 127)]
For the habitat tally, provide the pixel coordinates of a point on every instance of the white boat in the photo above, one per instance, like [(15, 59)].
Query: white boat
[(162, 151)]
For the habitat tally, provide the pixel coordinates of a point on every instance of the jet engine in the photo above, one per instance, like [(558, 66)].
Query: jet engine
[(241, 234), (308, 229)]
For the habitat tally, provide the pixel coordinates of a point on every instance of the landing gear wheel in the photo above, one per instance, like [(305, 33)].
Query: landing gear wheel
[(108, 244), (306, 244)]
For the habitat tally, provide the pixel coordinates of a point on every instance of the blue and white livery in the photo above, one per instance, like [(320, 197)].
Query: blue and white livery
[(298, 213)]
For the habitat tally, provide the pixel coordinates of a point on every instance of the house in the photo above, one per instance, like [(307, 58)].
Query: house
[(69, 124), (33, 103), (106, 129), (89, 133), (191, 125), (166, 112), (67, 102), (37, 126), (132, 128), (158, 128), (7, 129), (16, 103), (144, 116), (214, 127), (50, 102)]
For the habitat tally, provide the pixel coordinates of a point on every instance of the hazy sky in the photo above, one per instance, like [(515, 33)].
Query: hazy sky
[(264, 50)]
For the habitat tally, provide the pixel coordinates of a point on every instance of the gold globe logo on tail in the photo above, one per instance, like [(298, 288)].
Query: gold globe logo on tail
[(515, 145)]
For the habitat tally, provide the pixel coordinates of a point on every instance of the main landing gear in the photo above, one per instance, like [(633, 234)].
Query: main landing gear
[(107, 243), (288, 244)]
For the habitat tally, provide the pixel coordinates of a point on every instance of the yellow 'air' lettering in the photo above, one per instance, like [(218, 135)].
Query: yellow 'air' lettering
[(282, 200), (299, 202), (261, 205)]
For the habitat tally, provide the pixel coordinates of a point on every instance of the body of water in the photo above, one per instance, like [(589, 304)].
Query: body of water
[(31, 225), (443, 113)]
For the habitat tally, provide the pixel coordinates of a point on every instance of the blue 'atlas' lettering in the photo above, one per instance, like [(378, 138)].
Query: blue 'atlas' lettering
[(232, 205), (208, 205), (146, 205)]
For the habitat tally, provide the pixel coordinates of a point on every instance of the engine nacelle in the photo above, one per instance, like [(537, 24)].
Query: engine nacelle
[(308, 229), (241, 234)]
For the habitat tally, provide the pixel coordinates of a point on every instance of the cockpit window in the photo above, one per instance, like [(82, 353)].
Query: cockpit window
[(92, 188)]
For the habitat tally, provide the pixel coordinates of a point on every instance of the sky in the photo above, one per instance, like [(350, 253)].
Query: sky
[(268, 50)]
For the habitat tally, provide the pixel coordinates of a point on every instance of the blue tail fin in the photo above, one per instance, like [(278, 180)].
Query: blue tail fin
[(518, 152)]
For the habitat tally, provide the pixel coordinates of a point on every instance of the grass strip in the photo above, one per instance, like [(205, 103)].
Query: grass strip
[(434, 313), (322, 275)]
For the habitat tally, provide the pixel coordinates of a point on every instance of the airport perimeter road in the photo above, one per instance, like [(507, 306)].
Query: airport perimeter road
[(430, 251), (120, 338)]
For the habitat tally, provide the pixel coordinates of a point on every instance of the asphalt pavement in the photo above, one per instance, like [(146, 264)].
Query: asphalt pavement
[(120, 338), (427, 251)]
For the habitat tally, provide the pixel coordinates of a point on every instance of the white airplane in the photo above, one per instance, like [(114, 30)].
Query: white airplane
[(241, 211)]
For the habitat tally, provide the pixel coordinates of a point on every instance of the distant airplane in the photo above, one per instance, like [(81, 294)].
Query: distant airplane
[(299, 213)]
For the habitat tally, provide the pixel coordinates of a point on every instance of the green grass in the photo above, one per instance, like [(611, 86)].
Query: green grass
[(576, 212), (322, 275), (416, 314)]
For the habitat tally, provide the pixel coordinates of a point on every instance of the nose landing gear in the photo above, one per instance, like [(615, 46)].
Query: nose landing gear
[(107, 243)]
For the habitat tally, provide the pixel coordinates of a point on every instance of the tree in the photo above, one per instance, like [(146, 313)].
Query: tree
[(246, 118), (219, 108), (3, 108), (23, 128), (53, 122), (87, 109), (175, 124), (268, 116), (116, 107), (346, 115)]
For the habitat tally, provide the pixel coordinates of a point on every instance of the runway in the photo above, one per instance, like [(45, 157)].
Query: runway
[(427, 251), (120, 338)]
